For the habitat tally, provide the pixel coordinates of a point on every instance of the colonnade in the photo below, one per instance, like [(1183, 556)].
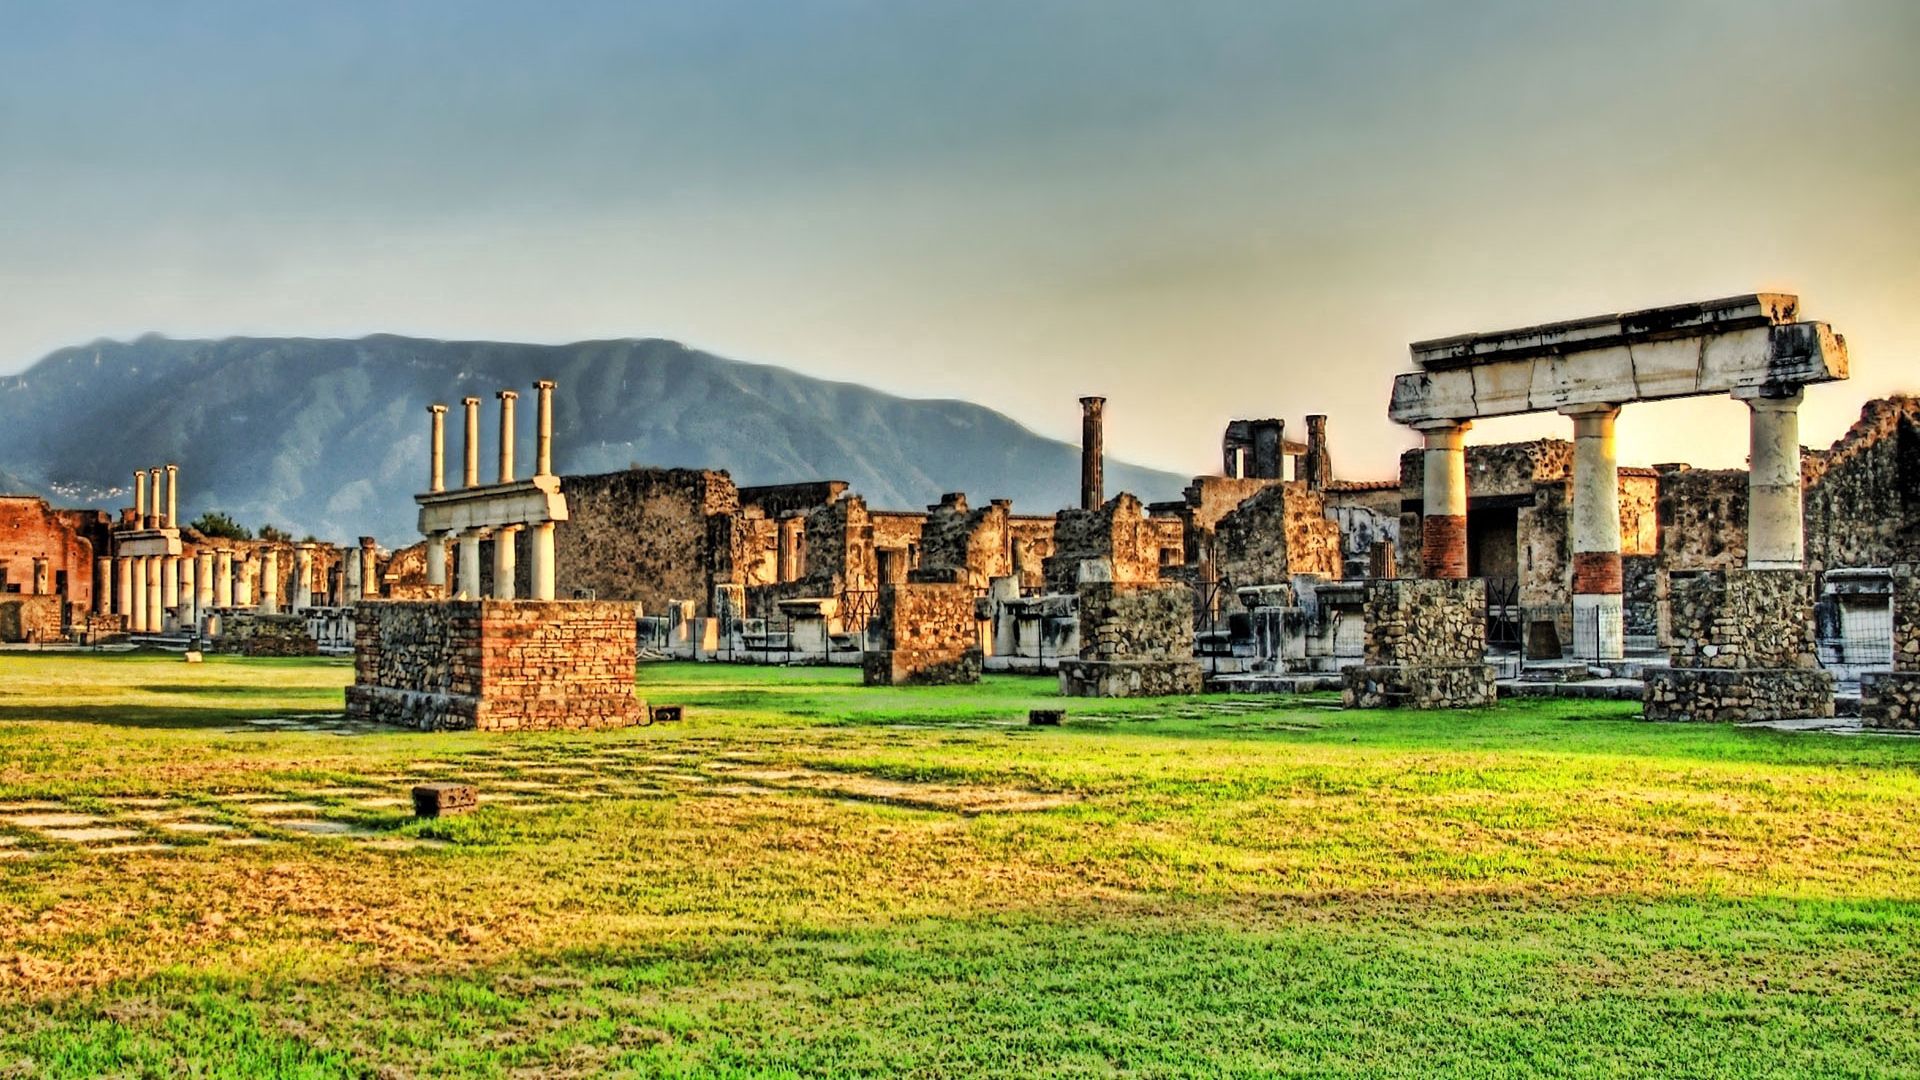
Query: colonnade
[(467, 554)]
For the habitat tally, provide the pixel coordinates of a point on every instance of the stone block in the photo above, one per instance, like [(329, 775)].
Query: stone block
[(1890, 699), (1129, 678), (442, 799), (929, 634), (1046, 717), (1737, 695), (921, 667), (666, 714), (1425, 686)]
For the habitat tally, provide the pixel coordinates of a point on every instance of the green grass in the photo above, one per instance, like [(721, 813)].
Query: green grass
[(822, 879)]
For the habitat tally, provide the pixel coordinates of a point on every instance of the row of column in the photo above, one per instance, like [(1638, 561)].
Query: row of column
[(470, 471), (157, 514), (145, 588), (1775, 535), (466, 585)]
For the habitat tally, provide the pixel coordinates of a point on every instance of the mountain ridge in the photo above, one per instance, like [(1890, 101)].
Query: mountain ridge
[(326, 435)]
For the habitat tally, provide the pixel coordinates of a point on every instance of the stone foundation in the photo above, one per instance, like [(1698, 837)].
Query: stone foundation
[(495, 665), (1890, 699), (1129, 678), (1426, 646), (1428, 686), (1737, 695), (248, 633), (1742, 643), (1136, 640), (930, 636)]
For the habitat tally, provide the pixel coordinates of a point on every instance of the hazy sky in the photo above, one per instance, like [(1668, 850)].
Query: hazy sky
[(1201, 210)]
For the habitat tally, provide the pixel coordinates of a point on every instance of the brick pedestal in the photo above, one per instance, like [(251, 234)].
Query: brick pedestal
[(495, 665)]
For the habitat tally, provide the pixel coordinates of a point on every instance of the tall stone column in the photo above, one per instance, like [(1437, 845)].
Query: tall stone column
[(123, 589), (137, 616), (1443, 524), (155, 476), (507, 398), (103, 585), (543, 442), (1319, 460), (467, 585), (203, 588), (173, 498), (471, 475), (350, 577), (1776, 539), (1598, 611), (437, 462), (169, 584), (541, 585), (188, 613), (223, 578), (42, 576), (504, 561), (246, 572), (437, 562), (156, 606), (139, 498), (269, 582), (302, 597), (369, 568), (1092, 453)]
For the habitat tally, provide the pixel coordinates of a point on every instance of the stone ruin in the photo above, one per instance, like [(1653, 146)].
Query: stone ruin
[(928, 635), (494, 662), (1743, 649), (1425, 646), (1891, 699), (1136, 639)]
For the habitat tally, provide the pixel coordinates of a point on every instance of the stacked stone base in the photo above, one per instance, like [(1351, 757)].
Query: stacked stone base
[(1890, 699), (1738, 695), (1129, 678), (918, 667), (495, 665), (1421, 686), (248, 633)]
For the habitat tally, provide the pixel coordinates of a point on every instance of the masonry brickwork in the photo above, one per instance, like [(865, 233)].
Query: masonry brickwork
[(929, 635), (1891, 699), (1742, 648), (1136, 640), (248, 633), (495, 665)]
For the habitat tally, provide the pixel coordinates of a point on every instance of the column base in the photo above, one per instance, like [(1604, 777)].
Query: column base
[(1418, 686)]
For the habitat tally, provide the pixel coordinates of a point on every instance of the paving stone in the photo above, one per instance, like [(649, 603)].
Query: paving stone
[(323, 827), (64, 820), (91, 835), (135, 849), (275, 809), (196, 827)]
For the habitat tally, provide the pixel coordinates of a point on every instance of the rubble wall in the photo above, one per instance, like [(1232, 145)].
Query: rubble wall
[(1862, 499), (1892, 699), (929, 634), (34, 619), (639, 535), (1279, 532)]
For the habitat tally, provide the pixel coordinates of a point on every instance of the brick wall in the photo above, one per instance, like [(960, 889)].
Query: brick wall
[(29, 529), (495, 665), (35, 619)]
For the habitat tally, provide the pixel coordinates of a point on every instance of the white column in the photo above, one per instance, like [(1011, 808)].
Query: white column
[(467, 586), (1598, 612), (437, 462), (1775, 538), (139, 498), (155, 476), (156, 575), (123, 588), (504, 563), (543, 442), (350, 576), (169, 587), (223, 578), (471, 474), (185, 613), (246, 571), (1443, 524), (541, 586), (203, 587), (437, 562), (173, 498), (269, 582), (507, 398), (137, 614), (302, 597)]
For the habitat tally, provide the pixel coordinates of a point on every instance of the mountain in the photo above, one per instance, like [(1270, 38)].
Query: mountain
[(329, 436)]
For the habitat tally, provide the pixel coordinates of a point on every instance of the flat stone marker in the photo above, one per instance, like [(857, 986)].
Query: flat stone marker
[(191, 656), (1046, 717), (441, 799), (666, 714)]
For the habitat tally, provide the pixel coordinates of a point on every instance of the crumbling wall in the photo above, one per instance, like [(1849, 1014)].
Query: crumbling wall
[(1366, 514), (1031, 540), (1703, 518), (1891, 699), (929, 634), (1117, 533), (640, 535), (30, 529), (35, 619), (1279, 532), (249, 633), (495, 665), (1425, 646), (963, 545), (1136, 640), (1743, 649), (1862, 501)]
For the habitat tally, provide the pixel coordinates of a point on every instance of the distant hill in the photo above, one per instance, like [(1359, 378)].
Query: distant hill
[(329, 437)]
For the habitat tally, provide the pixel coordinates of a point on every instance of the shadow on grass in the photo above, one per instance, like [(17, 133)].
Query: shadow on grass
[(159, 717)]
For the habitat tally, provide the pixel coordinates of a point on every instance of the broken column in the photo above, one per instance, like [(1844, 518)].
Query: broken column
[(350, 577), (467, 578), (541, 578), (42, 578), (369, 568), (1597, 585), (1318, 463), (1443, 524), (223, 578), (1092, 453), (302, 597), (103, 585), (138, 609), (203, 582), (436, 558), (1742, 645)]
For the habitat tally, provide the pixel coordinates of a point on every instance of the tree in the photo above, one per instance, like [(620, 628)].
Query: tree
[(220, 526), (276, 536)]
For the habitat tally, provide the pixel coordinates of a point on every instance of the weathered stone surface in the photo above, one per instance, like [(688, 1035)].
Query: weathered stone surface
[(1741, 619), (1136, 640), (1046, 717), (1737, 695), (1276, 533), (1890, 699), (1862, 502), (34, 619), (1129, 678), (1119, 532), (249, 633), (929, 636), (1426, 646), (441, 799), (495, 665)]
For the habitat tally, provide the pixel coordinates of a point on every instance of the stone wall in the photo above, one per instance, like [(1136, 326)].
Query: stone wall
[(1892, 699), (249, 633), (638, 535), (1703, 518), (495, 665), (929, 634), (1117, 532), (1862, 501), (964, 545), (1279, 532), (1425, 646), (30, 529), (35, 619)]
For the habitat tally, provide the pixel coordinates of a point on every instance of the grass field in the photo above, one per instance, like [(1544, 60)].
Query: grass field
[(807, 877)]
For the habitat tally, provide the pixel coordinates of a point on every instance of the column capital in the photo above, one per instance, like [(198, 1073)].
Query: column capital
[(1598, 408), (507, 395), (543, 384), (1426, 427), (1771, 398), (437, 409)]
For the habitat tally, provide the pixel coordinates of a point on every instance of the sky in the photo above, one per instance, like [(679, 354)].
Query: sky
[(1201, 210)]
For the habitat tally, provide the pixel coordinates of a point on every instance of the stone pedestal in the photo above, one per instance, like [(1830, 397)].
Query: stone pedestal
[(928, 634), (1136, 640), (1426, 647), (1742, 647), (495, 665)]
